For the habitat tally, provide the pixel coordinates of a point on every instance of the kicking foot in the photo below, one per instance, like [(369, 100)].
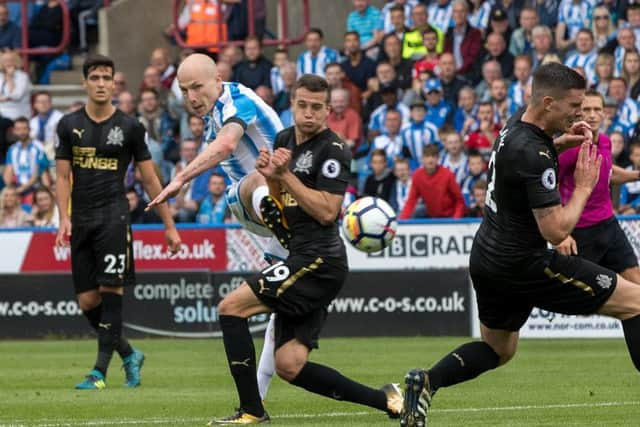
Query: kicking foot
[(417, 399), (240, 417)]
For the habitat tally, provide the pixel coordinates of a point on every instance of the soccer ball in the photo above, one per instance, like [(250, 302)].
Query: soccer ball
[(369, 224)]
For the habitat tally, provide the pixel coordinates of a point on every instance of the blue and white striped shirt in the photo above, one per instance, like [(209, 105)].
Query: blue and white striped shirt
[(239, 103), (386, 15), (277, 84), (618, 55), (377, 120), (440, 16), (586, 61), (628, 113), (460, 169), (480, 17), (515, 95), (309, 64), (392, 145), (575, 15), (416, 136), (28, 161)]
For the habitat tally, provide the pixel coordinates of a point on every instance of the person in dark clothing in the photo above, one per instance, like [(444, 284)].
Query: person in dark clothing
[(381, 180), (256, 69)]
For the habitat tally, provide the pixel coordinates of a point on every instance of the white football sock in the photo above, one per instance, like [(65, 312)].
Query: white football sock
[(267, 364)]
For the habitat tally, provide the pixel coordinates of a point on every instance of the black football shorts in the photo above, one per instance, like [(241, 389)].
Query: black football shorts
[(549, 280), (299, 290), (606, 244), (101, 255)]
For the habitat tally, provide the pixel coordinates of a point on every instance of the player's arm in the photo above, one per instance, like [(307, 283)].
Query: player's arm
[(556, 222), (7, 175), (323, 205), (621, 175), (63, 192), (152, 186), (218, 150)]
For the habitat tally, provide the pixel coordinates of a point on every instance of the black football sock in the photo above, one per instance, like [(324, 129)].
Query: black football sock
[(109, 329), (328, 382), (631, 328), (463, 364), (241, 355), (93, 316)]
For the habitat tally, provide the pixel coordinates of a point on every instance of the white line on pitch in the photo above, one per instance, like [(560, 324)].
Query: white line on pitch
[(73, 423)]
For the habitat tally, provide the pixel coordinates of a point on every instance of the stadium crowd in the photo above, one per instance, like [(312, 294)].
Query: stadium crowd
[(419, 91)]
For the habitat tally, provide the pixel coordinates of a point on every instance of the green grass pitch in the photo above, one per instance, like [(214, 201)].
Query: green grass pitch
[(549, 383)]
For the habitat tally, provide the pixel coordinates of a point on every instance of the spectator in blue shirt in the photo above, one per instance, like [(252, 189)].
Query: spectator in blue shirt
[(630, 191), (214, 208), (439, 111), (366, 20), (10, 36), (317, 56)]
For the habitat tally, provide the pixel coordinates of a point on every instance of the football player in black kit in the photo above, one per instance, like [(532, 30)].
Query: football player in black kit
[(511, 267), (96, 144), (308, 169)]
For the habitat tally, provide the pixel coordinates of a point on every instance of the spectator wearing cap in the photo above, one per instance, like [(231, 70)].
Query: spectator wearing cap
[(358, 67), (521, 39), (439, 111), (407, 5), (496, 50), (451, 82), (317, 56), (366, 20), (463, 40), (392, 52), (436, 186), (377, 122), (585, 55), (255, 70), (338, 80), (429, 62), (542, 45), (573, 15), (412, 44), (499, 22), (441, 13), (464, 119), (419, 133), (522, 72), (344, 120)]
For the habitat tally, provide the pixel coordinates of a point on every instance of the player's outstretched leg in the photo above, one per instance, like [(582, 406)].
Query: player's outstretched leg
[(267, 364), (292, 365), (463, 364)]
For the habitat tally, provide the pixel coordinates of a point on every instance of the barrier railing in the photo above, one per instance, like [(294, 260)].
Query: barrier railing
[(282, 40), (25, 50)]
